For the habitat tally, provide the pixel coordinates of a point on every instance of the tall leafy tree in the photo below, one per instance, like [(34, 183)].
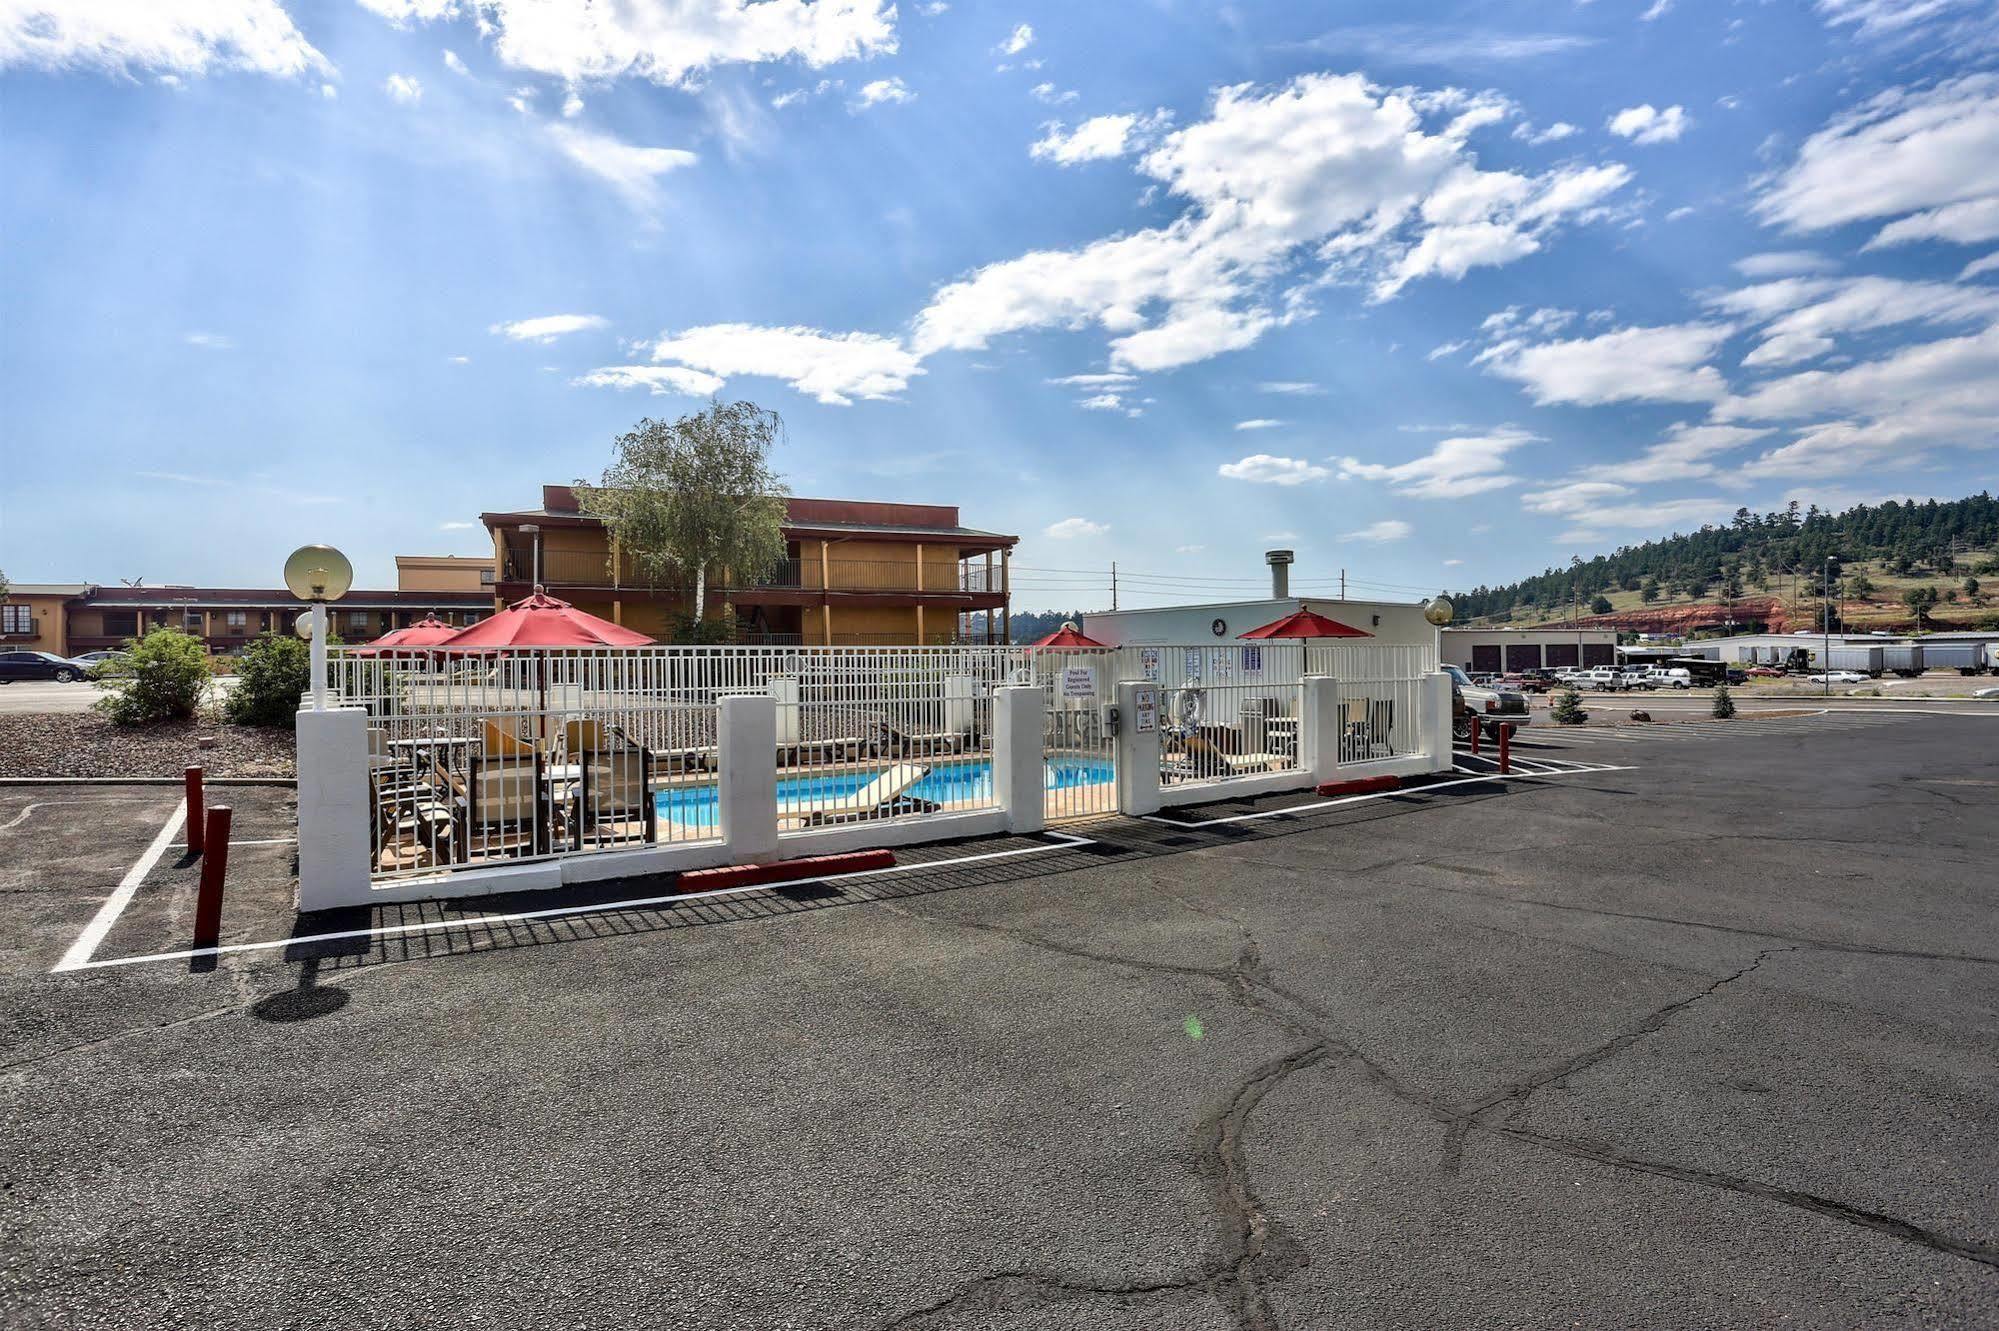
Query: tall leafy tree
[(696, 497)]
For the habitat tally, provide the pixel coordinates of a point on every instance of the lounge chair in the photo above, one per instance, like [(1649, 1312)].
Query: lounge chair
[(885, 796), (612, 796)]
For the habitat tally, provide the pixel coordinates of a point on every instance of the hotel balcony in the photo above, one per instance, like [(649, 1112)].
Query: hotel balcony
[(793, 582)]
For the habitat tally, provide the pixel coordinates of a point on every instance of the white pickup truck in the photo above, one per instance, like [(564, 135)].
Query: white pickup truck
[(1494, 704)]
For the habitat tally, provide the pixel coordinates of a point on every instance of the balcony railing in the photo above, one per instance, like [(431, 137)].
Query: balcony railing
[(586, 568)]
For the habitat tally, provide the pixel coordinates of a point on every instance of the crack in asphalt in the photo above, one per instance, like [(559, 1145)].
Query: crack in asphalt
[(1256, 1241), (1802, 940), (82, 1046), (1512, 1096)]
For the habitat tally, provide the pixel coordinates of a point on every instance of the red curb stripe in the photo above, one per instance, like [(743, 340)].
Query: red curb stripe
[(784, 871), (1360, 785)]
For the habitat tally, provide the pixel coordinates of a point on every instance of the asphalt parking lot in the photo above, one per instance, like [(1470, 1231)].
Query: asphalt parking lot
[(1690, 1030)]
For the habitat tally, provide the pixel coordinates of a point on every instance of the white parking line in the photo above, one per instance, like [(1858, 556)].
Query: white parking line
[(1067, 841), (78, 956), (1377, 795)]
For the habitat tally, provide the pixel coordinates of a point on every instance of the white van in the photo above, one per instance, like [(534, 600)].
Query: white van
[(1674, 677)]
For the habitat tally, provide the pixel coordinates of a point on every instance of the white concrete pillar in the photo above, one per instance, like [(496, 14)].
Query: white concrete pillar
[(333, 808), (1436, 723), (960, 704), (1020, 770), (746, 793), (784, 690), (1137, 750), (1319, 727)]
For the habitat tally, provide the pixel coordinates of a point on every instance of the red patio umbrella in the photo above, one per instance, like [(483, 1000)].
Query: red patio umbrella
[(1067, 638), (542, 621), (426, 632), (1303, 623)]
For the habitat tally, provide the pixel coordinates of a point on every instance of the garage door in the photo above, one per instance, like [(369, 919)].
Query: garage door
[(1523, 656), (1485, 660), (1599, 653), (1561, 655)]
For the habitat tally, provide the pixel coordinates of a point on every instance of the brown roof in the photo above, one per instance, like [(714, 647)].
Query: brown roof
[(803, 517), (125, 598)]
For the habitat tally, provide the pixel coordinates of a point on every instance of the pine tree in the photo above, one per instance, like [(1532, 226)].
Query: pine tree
[(1724, 705), (1568, 708)]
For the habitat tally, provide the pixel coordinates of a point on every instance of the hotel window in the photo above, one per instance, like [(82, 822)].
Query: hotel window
[(121, 623), (357, 621), (238, 621), (17, 619)]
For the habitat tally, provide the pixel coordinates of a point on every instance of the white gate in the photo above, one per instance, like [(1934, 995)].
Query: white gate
[(1079, 686)]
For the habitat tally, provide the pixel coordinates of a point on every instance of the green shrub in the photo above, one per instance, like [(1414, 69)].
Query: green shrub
[(272, 675), (1724, 705), (1568, 709), (161, 677)]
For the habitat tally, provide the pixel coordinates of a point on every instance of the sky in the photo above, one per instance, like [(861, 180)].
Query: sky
[(1438, 294)]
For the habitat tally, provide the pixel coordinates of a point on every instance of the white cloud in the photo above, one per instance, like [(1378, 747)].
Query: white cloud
[(1785, 263), (209, 341), (659, 380), (403, 88), (461, 525), (1290, 388), (1554, 133), (1686, 453), (669, 43), (1457, 467), (1663, 364), (572, 105), (1941, 393), (1573, 498), (883, 92), (1806, 314), (1017, 41), (832, 367), (1977, 267), (1051, 95), (455, 65), (1648, 124), (1070, 529), (1657, 10), (179, 37), (1259, 423), (1268, 470), (1326, 165), (630, 169), (548, 327), (1452, 563), (459, 360), (1928, 158), (1891, 18), (1443, 349), (791, 98), (1097, 138), (1109, 401), (1096, 380), (1389, 529), (1446, 44)]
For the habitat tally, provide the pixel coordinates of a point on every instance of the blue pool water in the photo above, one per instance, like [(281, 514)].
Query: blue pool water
[(694, 806)]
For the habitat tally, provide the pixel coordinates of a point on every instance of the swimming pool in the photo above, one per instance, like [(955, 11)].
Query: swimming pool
[(944, 783)]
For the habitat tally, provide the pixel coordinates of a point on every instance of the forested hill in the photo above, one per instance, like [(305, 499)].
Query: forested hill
[(1751, 551)]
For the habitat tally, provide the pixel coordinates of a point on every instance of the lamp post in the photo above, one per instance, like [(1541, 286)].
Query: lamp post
[(317, 574)]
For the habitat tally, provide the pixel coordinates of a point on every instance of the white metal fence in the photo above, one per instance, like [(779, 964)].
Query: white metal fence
[(485, 756)]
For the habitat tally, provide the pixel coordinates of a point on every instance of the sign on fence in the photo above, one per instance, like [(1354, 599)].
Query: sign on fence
[(1079, 682), (1144, 710)]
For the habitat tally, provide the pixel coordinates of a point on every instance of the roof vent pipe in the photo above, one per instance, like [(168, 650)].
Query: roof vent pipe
[(1280, 573)]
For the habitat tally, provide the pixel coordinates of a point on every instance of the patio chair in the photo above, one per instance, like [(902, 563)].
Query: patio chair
[(612, 796), (500, 798)]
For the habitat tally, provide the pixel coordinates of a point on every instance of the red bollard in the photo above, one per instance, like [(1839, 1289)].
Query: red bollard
[(1505, 757), (195, 805), (208, 904), (1474, 735)]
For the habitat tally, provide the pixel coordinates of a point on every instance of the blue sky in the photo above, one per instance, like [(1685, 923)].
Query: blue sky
[(1439, 294)]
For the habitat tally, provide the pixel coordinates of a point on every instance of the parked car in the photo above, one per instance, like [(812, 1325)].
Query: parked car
[(1524, 682), (1763, 672), (1671, 678), (1604, 679), (39, 665), (1494, 704), (1837, 677)]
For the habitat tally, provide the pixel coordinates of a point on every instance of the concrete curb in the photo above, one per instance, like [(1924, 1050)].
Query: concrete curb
[(144, 781)]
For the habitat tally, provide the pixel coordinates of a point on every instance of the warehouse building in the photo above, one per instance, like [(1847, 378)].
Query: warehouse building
[(1498, 650)]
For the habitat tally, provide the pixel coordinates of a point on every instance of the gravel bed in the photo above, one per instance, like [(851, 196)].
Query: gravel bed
[(85, 744)]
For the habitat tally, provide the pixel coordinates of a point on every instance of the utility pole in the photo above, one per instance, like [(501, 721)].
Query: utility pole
[(1343, 584), (1114, 584)]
